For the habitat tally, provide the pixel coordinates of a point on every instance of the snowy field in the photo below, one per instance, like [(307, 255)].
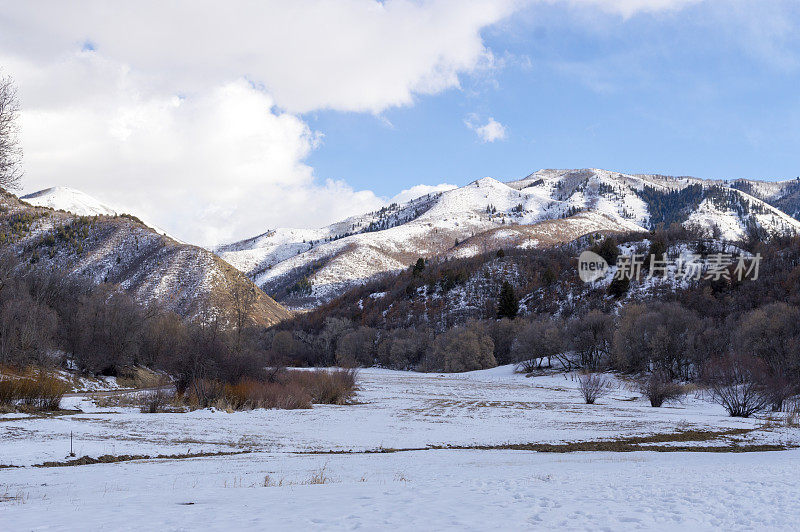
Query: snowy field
[(360, 466)]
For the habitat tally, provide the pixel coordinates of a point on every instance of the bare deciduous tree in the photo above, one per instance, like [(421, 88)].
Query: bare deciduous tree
[(593, 386), (542, 338), (357, 348), (242, 298), (591, 337), (461, 349), (10, 150)]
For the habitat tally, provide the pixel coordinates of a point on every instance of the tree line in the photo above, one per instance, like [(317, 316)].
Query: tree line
[(52, 319)]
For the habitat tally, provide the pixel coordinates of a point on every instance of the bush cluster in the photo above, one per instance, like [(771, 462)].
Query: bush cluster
[(41, 392), (289, 390)]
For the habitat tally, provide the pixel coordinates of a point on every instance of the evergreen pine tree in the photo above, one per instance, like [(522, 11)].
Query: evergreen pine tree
[(419, 267), (507, 304)]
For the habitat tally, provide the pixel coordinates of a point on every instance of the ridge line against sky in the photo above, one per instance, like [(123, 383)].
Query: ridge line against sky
[(218, 121)]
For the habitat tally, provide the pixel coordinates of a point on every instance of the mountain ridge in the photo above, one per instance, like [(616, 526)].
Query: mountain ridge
[(304, 268)]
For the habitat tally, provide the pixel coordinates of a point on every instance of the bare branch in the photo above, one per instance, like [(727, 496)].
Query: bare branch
[(10, 149)]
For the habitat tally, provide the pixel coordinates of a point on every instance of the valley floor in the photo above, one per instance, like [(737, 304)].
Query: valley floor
[(355, 466)]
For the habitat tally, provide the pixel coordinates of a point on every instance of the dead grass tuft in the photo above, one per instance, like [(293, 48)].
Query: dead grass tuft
[(319, 477)]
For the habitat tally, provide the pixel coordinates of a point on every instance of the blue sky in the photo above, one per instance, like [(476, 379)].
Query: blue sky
[(695, 92), (224, 121)]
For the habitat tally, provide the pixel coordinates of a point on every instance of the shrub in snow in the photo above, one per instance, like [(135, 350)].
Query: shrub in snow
[(594, 386), (737, 383), (155, 402), (39, 392), (659, 388), (292, 389)]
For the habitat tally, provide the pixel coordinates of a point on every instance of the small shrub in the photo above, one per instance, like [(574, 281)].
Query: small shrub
[(319, 477), (737, 383), (659, 388), (155, 401), (594, 386)]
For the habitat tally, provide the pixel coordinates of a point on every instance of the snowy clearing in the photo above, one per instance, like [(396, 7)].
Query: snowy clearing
[(289, 480)]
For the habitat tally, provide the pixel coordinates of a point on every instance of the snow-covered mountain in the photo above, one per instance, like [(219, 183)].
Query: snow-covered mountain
[(119, 249), (306, 267), (70, 200), (79, 203)]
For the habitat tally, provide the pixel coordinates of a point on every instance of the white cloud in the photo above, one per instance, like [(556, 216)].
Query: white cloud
[(491, 131), (629, 8), (351, 55), (208, 167), (190, 113), (419, 191)]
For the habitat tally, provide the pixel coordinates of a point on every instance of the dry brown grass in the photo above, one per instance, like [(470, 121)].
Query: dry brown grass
[(292, 390), (320, 476), (112, 459), (249, 394), (660, 442), (138, 377), (40, 392), (327, 387)]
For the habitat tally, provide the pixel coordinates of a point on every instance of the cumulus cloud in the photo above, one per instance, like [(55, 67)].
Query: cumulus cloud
[(491, 131), (350, 55), (418, 191), (191, 113)]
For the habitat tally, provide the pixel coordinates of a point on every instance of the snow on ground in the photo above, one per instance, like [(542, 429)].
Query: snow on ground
[(424, 490), (429, 489)]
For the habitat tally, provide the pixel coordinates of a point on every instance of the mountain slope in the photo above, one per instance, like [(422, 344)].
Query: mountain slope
[(784, 195), (121, 250)]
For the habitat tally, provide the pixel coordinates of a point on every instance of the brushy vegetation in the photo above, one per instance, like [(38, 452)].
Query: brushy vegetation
[(37, 393), (290, 389), (659, 388)]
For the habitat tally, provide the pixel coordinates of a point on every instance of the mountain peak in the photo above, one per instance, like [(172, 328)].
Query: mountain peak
[(80, 203), (70, 200)]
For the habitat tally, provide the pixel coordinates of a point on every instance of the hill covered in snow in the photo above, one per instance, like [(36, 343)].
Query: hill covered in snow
[(78, 202), (120, 249), (306, 267)]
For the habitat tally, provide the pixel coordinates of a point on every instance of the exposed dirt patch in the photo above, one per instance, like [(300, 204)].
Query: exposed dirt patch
[(110, 459), (622, 445)]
